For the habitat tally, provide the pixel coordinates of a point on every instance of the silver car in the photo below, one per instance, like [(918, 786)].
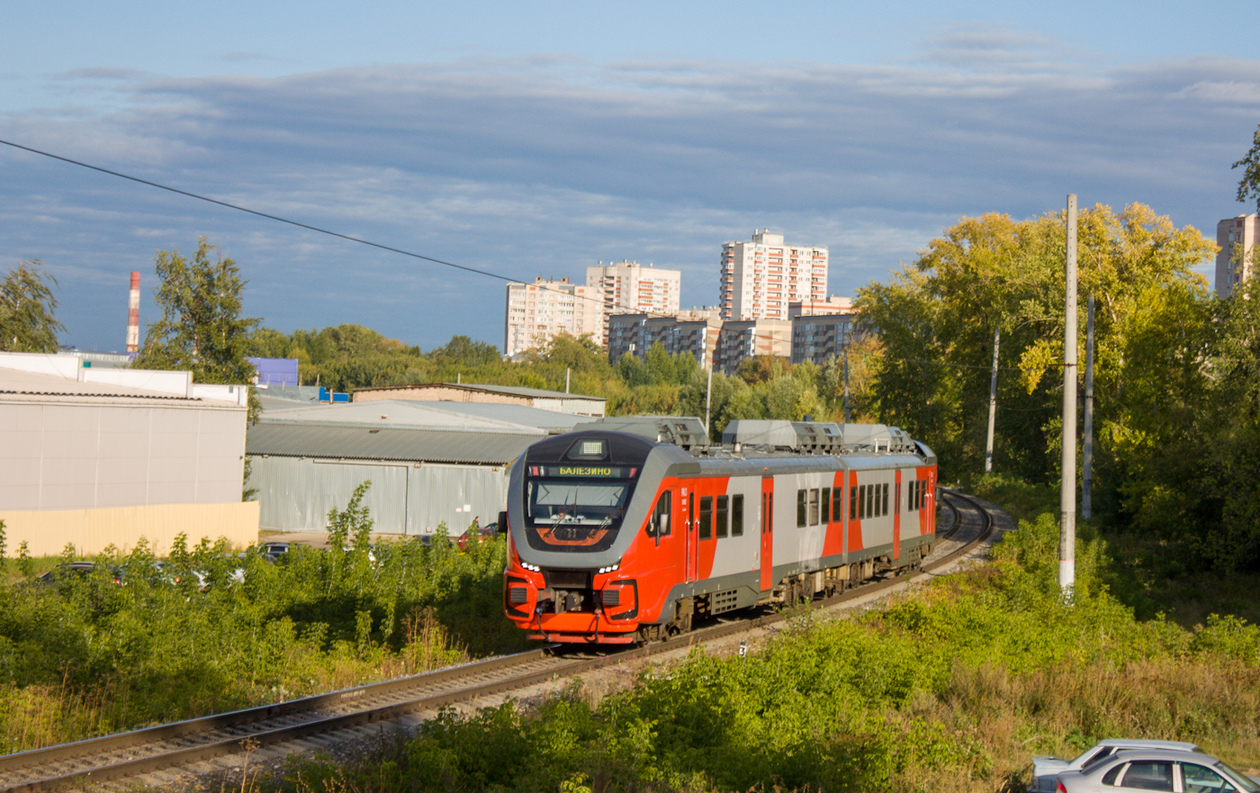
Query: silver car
[(1047, 769), (1157, 769)]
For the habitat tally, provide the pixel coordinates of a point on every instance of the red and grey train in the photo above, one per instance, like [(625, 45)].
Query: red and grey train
[(634, 529)]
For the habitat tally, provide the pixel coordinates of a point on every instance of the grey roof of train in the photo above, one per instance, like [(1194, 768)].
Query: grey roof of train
[(447, 432)]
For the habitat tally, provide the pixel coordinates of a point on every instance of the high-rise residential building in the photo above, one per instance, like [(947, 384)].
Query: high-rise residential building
[(818, 337), (694, 331), (538, 312), (1230, 232), (630, 288), (740, 339), (760, 278), (820, 308)]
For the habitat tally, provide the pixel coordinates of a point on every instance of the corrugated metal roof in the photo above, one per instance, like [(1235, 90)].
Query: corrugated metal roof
[(394, 413), (549, 420), (509, 390), (312, 439)]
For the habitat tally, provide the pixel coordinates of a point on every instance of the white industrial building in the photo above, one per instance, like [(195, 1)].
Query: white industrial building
[(94, 457), (429, 462)]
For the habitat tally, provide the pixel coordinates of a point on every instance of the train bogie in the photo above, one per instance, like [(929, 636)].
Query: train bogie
[(616, 537)]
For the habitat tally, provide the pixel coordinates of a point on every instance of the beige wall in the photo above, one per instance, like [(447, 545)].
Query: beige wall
[(438, 394), (46, 532)]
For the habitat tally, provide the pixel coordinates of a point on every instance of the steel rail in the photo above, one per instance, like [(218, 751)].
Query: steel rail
[(555, 666)]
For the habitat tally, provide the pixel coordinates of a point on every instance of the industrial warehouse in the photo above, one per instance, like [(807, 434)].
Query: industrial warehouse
[(429, 463)]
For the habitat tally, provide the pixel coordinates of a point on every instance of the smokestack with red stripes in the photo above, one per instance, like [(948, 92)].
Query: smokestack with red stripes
[(133, 315)]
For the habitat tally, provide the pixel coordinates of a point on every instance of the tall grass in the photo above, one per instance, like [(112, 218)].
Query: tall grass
[(90, 656)]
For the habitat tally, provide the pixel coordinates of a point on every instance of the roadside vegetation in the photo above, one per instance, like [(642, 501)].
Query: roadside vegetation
[(128, 645)]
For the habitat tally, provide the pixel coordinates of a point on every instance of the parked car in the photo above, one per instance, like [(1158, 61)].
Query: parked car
[(1173, 771), (273, 550), (480, 532), (65, 571), (1046, 769)]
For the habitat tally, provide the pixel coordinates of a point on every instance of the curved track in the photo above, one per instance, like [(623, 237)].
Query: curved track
[(96, 760)]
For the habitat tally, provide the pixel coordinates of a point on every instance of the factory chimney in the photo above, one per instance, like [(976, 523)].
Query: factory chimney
[(133, 314)]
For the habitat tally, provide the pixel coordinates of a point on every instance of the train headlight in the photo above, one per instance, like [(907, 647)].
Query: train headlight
[(533, 568), (610, 568)]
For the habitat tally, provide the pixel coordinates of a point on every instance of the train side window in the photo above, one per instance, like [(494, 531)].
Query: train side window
[(706, 517), (737, 515), (723, 512), (800, 508), (861, 502), (826, 505), (813, 506), (884, 499), (853, 503), (659, 525)]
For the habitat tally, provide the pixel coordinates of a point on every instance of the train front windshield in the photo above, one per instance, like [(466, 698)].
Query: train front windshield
[(579, 512)]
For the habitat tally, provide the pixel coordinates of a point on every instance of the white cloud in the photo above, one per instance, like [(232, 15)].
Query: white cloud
[(545, 165)]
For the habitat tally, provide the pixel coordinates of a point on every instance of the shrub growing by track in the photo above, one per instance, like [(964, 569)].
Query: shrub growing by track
[(91, 656)]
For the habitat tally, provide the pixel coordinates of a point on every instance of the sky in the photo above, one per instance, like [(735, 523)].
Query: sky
[(528, 140)]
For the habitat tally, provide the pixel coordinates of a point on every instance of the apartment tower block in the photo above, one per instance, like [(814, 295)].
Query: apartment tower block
[(762, 277)]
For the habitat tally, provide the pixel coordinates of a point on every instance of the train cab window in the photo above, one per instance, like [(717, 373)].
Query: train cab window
[(813, 507), (737, 515), (800, 508), (658, 526), (706, 517), (723, 513), (825, 509)]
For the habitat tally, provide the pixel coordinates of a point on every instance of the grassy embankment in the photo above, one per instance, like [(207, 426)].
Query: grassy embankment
[(954, 687), (951, 688)]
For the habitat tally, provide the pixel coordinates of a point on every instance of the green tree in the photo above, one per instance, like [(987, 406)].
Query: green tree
[(201, 329), (27, 310), (936, 322), (1249, 184)]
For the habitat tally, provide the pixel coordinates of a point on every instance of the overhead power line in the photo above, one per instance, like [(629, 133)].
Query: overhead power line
[(348, 238)]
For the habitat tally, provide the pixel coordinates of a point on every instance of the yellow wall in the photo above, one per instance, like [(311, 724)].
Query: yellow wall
[(46, 532)]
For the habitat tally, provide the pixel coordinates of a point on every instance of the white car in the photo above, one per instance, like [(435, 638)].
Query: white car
[(1046, 769), (1156, 769)]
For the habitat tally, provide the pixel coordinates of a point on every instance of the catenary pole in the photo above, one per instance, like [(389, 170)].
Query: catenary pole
[(1067, 486), (846, 382), (1087, 452), (988, 441), (708, 400)]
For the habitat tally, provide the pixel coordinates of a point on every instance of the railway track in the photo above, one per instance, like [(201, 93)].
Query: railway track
[(98, 760)]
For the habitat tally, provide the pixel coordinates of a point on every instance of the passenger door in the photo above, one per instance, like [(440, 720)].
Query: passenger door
[(693, 546), (767, 533)]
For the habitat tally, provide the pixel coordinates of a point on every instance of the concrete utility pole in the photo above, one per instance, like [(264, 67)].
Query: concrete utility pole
[(988, 442), (846, 382), (1067, 486), (1087, 454), (708, 400)]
